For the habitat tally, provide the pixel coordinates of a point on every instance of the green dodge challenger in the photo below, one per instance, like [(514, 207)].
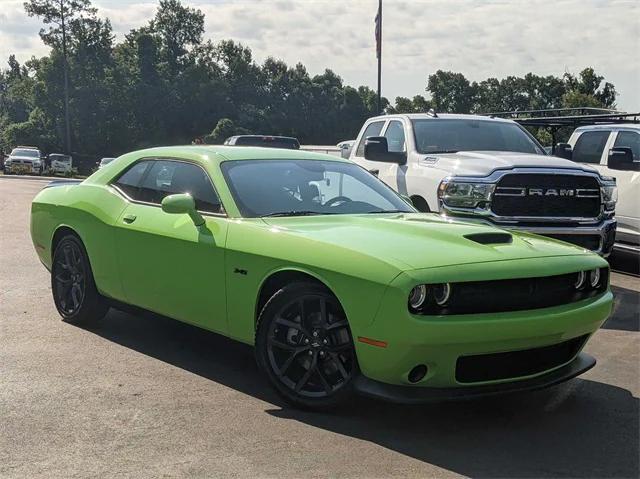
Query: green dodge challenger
[(339, 283)]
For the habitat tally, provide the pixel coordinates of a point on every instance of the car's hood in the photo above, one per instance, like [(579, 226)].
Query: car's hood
[(416, 240), (483, 163)]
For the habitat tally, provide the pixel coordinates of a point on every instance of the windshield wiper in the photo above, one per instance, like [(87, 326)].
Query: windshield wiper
[(295, 213), (386, 211)]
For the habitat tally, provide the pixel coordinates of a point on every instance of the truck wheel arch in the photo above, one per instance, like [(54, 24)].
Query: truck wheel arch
[(420, 203)]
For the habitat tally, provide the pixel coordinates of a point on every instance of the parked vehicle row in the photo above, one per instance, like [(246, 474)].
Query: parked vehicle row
[(30, 160), (341, 285)]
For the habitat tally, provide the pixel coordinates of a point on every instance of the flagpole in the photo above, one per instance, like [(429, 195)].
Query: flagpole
[(379, 56)]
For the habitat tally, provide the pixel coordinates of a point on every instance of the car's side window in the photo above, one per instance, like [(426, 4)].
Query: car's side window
[(590, 146), (130, 180), (373, 129), (167, 177), (631, 140), (395, 136)]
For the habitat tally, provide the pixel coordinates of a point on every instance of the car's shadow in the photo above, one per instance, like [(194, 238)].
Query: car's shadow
[(579, 429)]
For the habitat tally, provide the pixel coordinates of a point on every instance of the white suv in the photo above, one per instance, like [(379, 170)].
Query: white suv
[(614, 150)]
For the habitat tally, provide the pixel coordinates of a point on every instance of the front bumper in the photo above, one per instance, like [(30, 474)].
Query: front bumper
[(438, 342), (414, 395), (598, 238)]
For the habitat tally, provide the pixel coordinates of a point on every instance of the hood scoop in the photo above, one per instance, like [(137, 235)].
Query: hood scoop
[(490, 238)]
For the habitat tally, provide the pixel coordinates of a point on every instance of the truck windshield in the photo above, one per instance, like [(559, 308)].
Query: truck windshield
[(25, 152), (453, 135)]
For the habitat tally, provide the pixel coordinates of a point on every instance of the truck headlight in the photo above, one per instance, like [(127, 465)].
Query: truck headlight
[(609, 196), (464, 194)]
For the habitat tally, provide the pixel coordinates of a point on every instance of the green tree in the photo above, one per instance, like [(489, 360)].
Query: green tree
[(60, 14)]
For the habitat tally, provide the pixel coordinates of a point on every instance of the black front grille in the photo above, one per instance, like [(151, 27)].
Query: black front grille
[(497, 296), (591, 242), (552, 196), (514, 364)]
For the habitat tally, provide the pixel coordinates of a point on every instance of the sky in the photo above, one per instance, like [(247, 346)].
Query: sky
[(479, 38)]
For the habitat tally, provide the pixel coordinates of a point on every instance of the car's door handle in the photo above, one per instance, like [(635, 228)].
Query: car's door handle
[(374, 172), (129, 219)]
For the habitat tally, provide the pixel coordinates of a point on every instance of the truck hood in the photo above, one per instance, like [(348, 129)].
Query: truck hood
[(483, 163), (415, 240)]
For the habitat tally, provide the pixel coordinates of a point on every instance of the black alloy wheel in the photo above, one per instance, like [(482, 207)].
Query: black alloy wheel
[(74, 290), (305, 346)]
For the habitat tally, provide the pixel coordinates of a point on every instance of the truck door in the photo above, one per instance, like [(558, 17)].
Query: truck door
[(391, 173)]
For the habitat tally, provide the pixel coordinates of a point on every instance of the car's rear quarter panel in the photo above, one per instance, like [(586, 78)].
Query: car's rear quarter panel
[(90, 211)]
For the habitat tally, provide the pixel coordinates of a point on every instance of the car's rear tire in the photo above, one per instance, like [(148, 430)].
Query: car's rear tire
[(74, 289), (304, 346)]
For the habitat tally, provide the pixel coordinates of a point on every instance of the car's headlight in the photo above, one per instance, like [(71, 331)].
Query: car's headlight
[(609, 196), (464, 194)]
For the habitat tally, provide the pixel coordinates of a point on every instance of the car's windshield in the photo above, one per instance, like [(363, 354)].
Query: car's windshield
[(60, 158), (441, 135), (25, 152), (307, 187)]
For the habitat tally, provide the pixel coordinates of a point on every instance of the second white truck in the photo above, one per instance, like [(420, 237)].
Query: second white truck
[(490, 170)]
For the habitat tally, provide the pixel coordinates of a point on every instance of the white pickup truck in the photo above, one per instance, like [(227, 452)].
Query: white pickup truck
[(490, 170), (613, 150)]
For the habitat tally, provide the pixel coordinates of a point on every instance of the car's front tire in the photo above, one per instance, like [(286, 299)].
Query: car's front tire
[(74, 290), (304, 346)]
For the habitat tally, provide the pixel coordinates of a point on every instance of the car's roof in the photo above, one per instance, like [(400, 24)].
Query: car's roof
[(442, 116), (611, 126), (220, 153)]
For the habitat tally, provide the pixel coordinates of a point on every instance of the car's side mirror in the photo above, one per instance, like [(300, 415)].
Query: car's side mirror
[(182, 204), (563, 150), (621, 158), (376, 148)]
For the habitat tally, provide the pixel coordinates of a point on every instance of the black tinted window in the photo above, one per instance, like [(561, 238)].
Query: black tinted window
[(130, 180), (589, 146), (631, 140), (373, 129), (167, 177), (440, 135)]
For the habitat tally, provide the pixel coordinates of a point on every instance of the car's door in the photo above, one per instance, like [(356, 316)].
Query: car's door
[(166, 263)]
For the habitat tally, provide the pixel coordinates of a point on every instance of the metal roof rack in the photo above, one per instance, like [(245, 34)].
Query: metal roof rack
[(555, 118)]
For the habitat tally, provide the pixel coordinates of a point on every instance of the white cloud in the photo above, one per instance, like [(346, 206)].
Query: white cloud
[(480, 38)]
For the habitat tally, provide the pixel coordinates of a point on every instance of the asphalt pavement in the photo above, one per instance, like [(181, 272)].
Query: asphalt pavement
[(145, 396)]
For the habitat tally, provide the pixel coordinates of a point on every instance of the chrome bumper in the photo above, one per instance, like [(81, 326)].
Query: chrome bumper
[(605, 231)]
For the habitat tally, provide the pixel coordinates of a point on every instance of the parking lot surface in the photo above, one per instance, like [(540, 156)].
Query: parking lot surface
[(145, 396)]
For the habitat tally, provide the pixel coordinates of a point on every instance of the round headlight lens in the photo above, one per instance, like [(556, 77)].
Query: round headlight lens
[(417, 296), (441, 293), (594, 277), (580, 280)]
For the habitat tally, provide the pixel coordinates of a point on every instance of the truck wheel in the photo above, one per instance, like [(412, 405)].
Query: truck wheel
[(420, 204), (74, 290), (304, 346)]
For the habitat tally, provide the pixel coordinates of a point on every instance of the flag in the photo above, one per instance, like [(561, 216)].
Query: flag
[(378, 22)]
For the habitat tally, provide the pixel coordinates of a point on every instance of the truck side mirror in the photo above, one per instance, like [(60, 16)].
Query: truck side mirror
[(376, 148), (621, 158), (563, 150)]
